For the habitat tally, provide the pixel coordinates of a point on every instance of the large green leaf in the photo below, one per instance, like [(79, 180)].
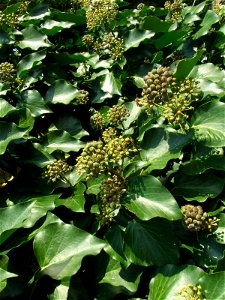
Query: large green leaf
[(60, 248), (151, 243), (5, 108), (111, 85), (210, 18), (24, 215), (51, 27), (62, 140), (35, 103), (171, 279), (199, 166), (4, 273), (159, 146), (208, 123), (213, 285), (135, 37), (172, 37), (126, 280), (61, 92), (198, 187), (9, 132), (33, 39), (148, 198), (29, 61), (154, 24), (76, 201)]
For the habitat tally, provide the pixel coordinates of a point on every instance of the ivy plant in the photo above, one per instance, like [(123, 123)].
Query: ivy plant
[(112, 136)]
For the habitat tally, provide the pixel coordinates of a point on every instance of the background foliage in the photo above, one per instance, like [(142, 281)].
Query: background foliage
[(112, 136)]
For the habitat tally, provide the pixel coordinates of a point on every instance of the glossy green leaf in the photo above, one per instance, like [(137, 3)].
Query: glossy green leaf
[(208, 129), (76, 201), (172, 37), (111, 85), (154, 24), (147, 198), (151, 243), (125, 279), (33, 39), (24, 215), (29, 61), (210, 18), (199, 166), (62, 140), (213, 285), (185, 66), (51, 27), (5, 108), (35, 103), (61, 92), (198, 187), (4, 275), (9, 132), (135, 37), (159, 146), (170, 279), (60, 248)]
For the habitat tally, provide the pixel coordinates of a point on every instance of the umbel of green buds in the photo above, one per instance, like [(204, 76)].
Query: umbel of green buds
[(112, 190), (175, 7), (156, 84), (83, 97), (7, 73), (109, 134), (97, 121), (196, 219), (99, 12), (117, 114), (56, 170), (92, 159), (190, 292)]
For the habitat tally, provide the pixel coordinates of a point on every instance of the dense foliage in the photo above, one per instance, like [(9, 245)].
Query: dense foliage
[(112, 137)]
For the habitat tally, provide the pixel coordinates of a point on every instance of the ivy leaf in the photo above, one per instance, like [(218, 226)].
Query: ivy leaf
[(135, 37), (170, 279), (76, 201), (35, 103), (62, 140), (154, 24), (198, 187), (33, 39), (61, 92), (151, 243), (9, 132), (159, 146), (111, 85), (213, 285), (5, 108), (29, 61), (24, 215), (148, 198), (172, 37), (60, 248), (208, 123), (210, 18), (51, 27), (126, 280)]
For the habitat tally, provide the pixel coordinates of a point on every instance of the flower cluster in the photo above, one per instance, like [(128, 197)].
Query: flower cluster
[(110, 44), (92, 159), (97, 121), (109, 134), (7, 73), (175, 98), (83, 97), (88, 40), (219, 8), (13, 19), (56, 170), (112, 189), (99, 12), (196, 219), (175, 7), (117, 114), (190, 292), (98, 157)]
